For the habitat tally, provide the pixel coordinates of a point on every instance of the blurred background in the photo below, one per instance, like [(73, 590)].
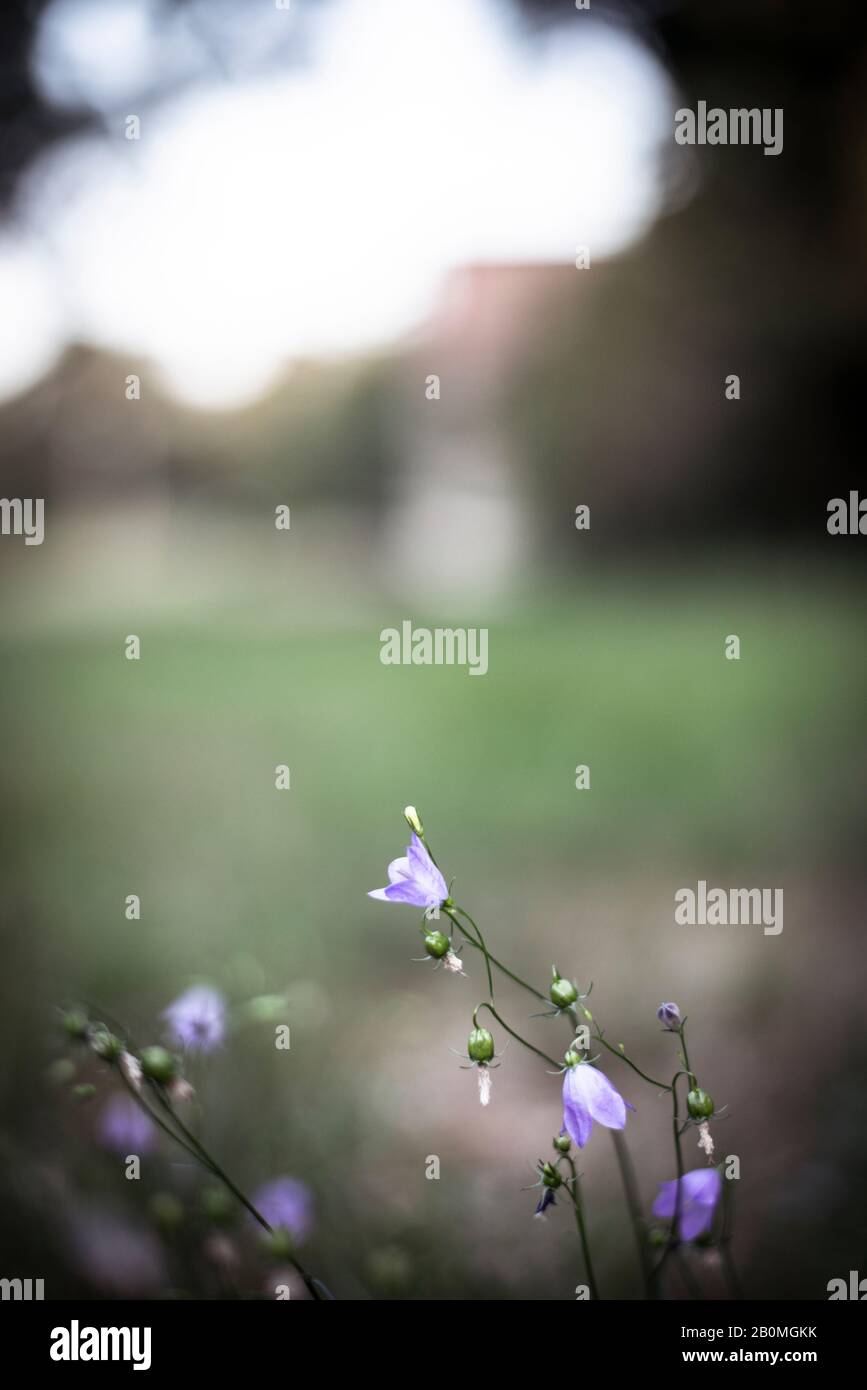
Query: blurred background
[(327, 205)]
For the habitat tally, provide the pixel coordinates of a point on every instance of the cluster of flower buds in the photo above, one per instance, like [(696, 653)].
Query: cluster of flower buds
[(154, 1064)]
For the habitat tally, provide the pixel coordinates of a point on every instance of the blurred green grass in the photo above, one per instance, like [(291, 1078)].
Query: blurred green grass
[(157, 776)]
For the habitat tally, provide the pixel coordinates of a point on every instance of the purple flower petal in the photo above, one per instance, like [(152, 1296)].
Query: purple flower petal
[(699, 1195), (415, 879), (286, 1204), (588, 1095), (197, 1018)]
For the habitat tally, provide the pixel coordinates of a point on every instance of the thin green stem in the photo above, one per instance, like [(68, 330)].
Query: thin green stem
[(633, 1204), (450, 912), (575, 1194), (193, 1146), (517, 1036), (729, 1269)]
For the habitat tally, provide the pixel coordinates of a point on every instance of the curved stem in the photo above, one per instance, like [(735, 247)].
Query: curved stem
[(517, 1036), (450, 911)]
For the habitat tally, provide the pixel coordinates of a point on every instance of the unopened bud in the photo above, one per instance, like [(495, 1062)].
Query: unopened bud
[(563, 993), (76, 1023), (699, 1104), (480, 1047), (158, 1064), (105, 1044), (413, 819), (562, 1143), (669, 1017), (436, 943)]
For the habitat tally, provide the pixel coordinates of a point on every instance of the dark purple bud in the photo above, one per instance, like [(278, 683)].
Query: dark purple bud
[(669, 1017)]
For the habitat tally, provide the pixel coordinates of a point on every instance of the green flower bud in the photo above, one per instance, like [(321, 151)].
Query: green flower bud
[(217, 1205), (166, 1210), (436, 943), (61, 1072), (105, 1044), (563, 1143), (572, 1059), (158, 1064), (699, 1104), (280, 1244), (480, 1046), (84, 1092), (76, 1023), (413, 819), (549, 1175), (563, 993)]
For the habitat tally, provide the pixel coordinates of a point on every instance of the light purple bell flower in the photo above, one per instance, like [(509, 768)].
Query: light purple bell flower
[(699, 1195), (124, 1128), (415, 879), (588, 1095), (197, 1018), (287, 1205)]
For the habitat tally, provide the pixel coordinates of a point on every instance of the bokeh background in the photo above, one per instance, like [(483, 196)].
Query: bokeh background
[(327, 205)]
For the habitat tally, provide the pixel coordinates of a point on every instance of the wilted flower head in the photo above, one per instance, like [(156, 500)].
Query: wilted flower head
[(669, 1017), (699, 1194), (546, 1200), (125, 1128), (287, 1205), (197, 1018), (131, 1068), (705, 1139), (415, 879), (588, 1095)]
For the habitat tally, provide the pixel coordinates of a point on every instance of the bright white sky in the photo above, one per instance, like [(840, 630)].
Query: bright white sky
[(290, 208)]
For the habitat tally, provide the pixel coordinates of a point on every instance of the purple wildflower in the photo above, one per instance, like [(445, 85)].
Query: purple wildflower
[(414, 879), (287, 1205), (700, 1192), (125, 1128), (197, 1018), (588, 1095)]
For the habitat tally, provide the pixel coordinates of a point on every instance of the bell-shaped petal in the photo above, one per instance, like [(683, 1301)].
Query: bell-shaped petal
[(588, 1095), (700, 1192), (415, 879)]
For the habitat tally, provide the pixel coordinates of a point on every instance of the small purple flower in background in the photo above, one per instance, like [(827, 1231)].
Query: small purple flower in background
[(125, 1128), (287, 1205), (415, 879), (669, 1017), (117, 1256), (699, 1195), (197, 1018), (588, 1095)]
